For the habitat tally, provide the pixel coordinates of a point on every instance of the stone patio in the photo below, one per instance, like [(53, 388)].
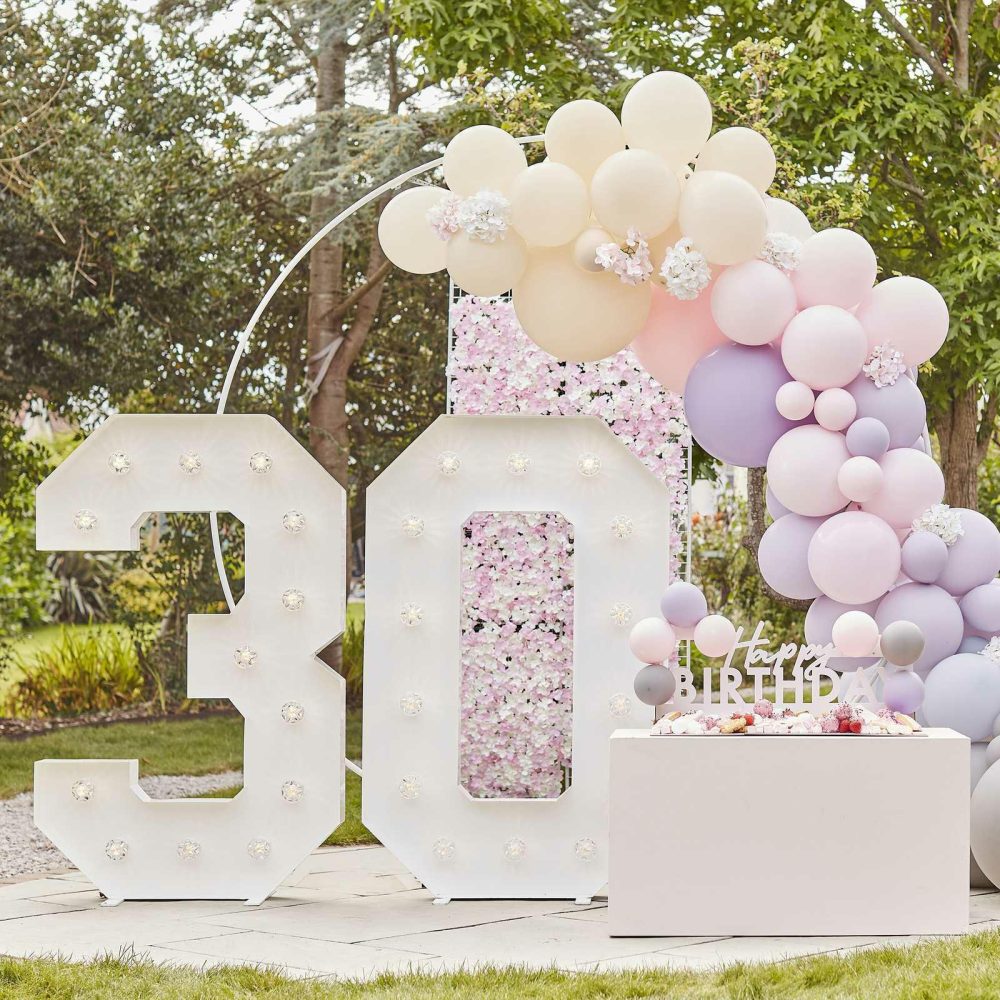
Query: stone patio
[(355, 912)]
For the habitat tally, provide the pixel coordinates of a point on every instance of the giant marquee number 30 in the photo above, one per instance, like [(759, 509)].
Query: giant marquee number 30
[(262, 657)]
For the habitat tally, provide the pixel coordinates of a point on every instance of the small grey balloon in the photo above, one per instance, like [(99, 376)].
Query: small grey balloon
[(654, 684), (902, 643)]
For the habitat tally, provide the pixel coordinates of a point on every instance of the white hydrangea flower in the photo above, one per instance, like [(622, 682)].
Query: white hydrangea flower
[(884, 365), (685, 271), (942, 521), (782, 250), (443, 217), (629, 260), (485, 216), (992, 649)]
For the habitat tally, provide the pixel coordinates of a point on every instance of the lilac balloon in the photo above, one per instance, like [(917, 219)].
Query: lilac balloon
[(900, 407), (963, 693), (981, 609), (972, 644), (903, 691), (974, 559), (868, 437), (774, 506), (933, 611), (924, 556), (822, 613), (729, 402), (683, 604), (783, 556)]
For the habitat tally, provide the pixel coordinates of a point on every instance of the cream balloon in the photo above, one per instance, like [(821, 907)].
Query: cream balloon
[(723, 215), (582, 135), (486, 268), (549, 204), (406, 237), (483, 158), (740, 151), (669, 114), (577, 316), (585, 247), (635, 188), (784, 217)]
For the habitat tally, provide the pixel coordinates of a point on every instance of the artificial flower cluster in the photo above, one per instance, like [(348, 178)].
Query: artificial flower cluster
[(992, 649), (629, 260), (884, 365), (941, 520), (685, 271), (782, 251), (484, 216)]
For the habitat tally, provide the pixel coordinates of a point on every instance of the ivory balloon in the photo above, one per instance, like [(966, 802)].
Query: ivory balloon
[(912, 482), (837, 268), (784, 217), (824, 347), (635, 188), (549, 204), (405, 235), (723, 216), (907, 312), (486, 268), (669, 114), (740, 151), (753, 302), (583, 134), (585, 248), (574, 315), (802, 471), (860, 478), (483, 157), (835, 409)]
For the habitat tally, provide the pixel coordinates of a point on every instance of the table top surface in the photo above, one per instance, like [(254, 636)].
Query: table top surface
[(931, 733)]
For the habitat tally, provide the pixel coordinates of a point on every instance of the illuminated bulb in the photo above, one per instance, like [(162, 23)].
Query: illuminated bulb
[(292, 712), (514, 849), (119, 463), (411, 615), (190, 463), (585, 848), (292, 791), (260, 462), (621, 614), (85, 520), (413, 527), (589, 464), (116, 849), (622, 526), (620, 705), (448, 463), (188, 850), (409, 788), (444, 849), (83, 791), (258, 848), (245, 657), (293, 600), (518, 463), (411, 704), (294, 521)]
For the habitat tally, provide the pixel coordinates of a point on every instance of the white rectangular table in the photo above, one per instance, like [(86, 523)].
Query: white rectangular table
[(788, 835)]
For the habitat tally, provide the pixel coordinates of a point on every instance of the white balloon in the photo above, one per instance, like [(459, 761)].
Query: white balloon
[(483, 158), (549, 204), (406, 237), (794, 400), (486, 268), (784, 217), (585, 247), (635, 188), (669, 114), (723, 215), (583, 134), (740, 151)]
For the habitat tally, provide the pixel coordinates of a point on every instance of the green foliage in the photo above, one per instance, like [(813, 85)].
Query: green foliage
[(352, 659), (989, 484), (82, 584)]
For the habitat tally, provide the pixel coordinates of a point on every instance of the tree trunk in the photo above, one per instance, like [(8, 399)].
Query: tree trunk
[(958, 430)]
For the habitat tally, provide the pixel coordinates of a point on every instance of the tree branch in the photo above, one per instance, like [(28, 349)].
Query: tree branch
[(916, 46), (339, 311)]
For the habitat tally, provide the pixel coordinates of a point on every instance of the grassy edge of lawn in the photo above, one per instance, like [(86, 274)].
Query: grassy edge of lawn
[(963, 968)]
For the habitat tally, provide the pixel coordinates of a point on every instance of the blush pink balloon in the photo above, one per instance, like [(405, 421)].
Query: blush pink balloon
[(835, 409), (837, 268), (860, 478), (677, 334), (911, 483), (794, 400), (908, 313), (802, 470), (824, 346), (854, 557), (652, 640), (855, 634), (753, 302), (715, 635)]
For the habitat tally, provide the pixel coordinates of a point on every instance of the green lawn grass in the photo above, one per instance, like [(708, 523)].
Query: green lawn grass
[(956, 969)]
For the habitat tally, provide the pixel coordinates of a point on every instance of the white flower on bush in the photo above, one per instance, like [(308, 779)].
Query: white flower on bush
[(684, 271), (629, 260), (485, 216), (942, 521), (782, 250)]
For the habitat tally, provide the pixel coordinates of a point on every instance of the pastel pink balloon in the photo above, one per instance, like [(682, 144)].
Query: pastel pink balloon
[(860, 478), (802, 470), (715, 635), (912, 482), (753, 302), (835, 409), (855, 634), (854, 557), (837, 268), (824, 346), (677, 334), (652, 640), (907, 312), (794, 400)]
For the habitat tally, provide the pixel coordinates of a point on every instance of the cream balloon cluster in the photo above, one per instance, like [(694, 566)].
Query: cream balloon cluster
[(616, 208)]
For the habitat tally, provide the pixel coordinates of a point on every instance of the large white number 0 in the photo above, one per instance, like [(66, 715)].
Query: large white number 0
[(262, 657)]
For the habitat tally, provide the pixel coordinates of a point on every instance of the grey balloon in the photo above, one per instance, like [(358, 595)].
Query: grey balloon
[(963, 693), (869, 437), (902, 643), (986, 823), (654, 684), (683, 604)]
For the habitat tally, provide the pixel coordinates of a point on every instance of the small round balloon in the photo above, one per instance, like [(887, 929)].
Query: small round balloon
[(837, 268), (549, 205), (912, 482), (683, 604), (794, 400), (899, 407), (652, 640), (405, 235), (981, 609), (855, 633), (654, 684), (860, 478), (903, 691), (585, 248), (824, 347), (902, 643), (715, 635), (868, 437), (486, 268), (635, 189), (723, 216), (582, 135), (802, 470), (483, 158), (835, 409), (908, 313), (784, 217), (669, 114), (753, 302), (925, 556), (740, 151)]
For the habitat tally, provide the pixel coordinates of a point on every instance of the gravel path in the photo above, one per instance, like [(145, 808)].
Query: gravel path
[(24, 850)]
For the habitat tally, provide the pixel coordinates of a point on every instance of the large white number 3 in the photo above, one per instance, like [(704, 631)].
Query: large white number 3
[(262, 657)]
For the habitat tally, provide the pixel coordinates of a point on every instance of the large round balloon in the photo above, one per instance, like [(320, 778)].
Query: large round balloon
[(677, 333), (406, 237), (752, 302), (974, 558), (925, 556), (837, 268), (783, 556), (802, 470), (933, 611), (669, 114), (582, 135), (729, 402), (854, 557), (740, 151), (908, 313), (483, 158), (486, 268), (984, 826), (899, 406), (963, 693), (824, 347), (820, 617), (784, 217), (635, 189), (723, 216), (549, 205), (911, 482)]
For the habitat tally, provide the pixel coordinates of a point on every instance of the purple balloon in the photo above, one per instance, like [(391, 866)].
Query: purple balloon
[(868, 437), (822, 613), (981, 609), (925, 556), (729, 402), (900, 407), (974, 559), (934, 611), (683, 604), (783, 556), (903, 691), (774, 506), (972, 644), (963, 693)]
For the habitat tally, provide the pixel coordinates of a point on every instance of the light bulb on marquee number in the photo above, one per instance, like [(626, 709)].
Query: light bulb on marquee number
[(83, 791), (260, 462), (292, 712), (411, 615), (293, 522), (589, 464), (190, 462), (448, 463), (444, 849), (621, 614), (85, 520), (409, 788), (411, 704), (258, 848), (188, 850), (515, 849), (518, 463), (585, 848), (293, 599), (116, 850), (245, 657), (119, 463), (413, 526), (620, 705), (292, 791), (622, 526)]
